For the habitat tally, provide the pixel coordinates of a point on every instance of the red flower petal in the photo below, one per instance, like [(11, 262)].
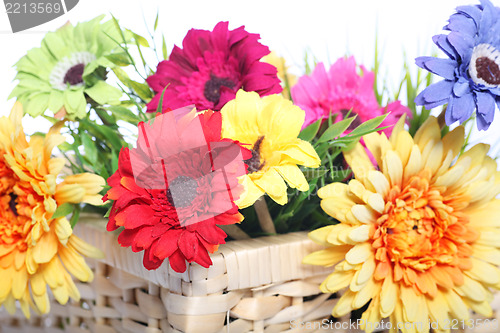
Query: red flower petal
[(177, 262), (134, 216), (167, 243), (188, 244)]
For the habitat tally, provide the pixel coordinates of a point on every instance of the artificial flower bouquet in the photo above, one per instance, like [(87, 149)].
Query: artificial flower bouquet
[(219, 140)]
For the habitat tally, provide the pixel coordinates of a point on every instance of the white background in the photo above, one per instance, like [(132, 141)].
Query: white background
[(327, 29)]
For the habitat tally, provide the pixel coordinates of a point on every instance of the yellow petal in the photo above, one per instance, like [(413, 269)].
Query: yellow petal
[(272, 183), (379, 182), (388, 296), (377, 144), (72, 193), (458, 308), (472, 289), (250, 193), (358, 160), (429, 131), (344, 304), (360, 234), (482, 271), (370, 290), (336, 281), (359, 253), (393, 168), (63, 230), (75, 264), (293, 176), (19, 283), (403, 146), (327, 257), (84, 248), (301, 152), (438, 310), (320, 235), (364, 214), (453, 141), (46, 248), (6, 275), (433, 156), (414, 165)]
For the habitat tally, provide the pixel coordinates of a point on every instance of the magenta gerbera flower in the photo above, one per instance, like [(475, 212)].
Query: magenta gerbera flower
[(211, 67), (340, 90)]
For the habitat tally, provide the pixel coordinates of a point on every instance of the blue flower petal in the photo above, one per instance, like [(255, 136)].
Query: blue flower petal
[(487, 19), (419, 100), (463, 44), (460, 108), (461, 87), (485, 106), (462, 24), (442, 42), (474, 12), (442, 67), (438, 91)]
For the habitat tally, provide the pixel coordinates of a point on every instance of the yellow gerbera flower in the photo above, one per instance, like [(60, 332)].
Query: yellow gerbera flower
[(419, 236), (37, 250), (270, 125)]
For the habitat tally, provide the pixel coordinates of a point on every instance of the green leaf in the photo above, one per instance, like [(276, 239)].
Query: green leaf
[(160, 103), (103, 93), (156, 20), (140, 54), (103, 133), (75, 216), (123, 113), (63, 210), (90, 148), (140, 40), (164, 48), (335, 130), (308, 133), (368, 126), (122, 76), (114, 161), (119, 59), (142, 90)]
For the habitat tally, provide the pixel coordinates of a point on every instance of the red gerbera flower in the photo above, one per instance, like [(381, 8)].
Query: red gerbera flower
[(172, 191), (211, 68)]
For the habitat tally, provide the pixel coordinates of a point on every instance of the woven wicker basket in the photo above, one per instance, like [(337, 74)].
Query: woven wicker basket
[(256, 285)]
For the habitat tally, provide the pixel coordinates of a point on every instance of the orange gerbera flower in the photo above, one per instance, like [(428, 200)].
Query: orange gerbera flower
[(419, 237), (37, 250)]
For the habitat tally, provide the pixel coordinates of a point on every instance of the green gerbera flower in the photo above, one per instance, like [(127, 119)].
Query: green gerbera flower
[(68, 68)]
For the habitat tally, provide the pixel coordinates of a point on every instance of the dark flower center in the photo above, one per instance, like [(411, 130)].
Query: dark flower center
[(253, 162), (212, 87), (12, 203), (355, 123), (182, 191), (488, 70), (74, 74)]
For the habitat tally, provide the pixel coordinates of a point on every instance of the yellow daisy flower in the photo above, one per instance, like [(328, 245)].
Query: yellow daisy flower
[(37, 250), (270, 125), (418, 237)]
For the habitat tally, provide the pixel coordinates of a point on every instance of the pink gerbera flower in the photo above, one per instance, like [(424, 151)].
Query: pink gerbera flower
[(340, 90), (211, 67)]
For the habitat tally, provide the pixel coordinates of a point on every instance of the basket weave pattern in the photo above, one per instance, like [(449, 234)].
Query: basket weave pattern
[(256, 285)]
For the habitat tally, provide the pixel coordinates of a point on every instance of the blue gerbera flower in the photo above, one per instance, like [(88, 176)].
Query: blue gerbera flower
[(472, 72)]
